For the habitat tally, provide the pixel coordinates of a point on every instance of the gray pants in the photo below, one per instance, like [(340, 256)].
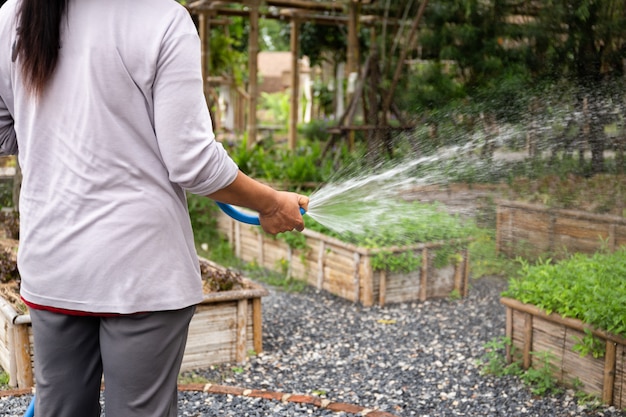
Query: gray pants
[(139, 355)]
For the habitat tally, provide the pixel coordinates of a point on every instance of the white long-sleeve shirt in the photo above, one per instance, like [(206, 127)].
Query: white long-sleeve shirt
[(121, 131)]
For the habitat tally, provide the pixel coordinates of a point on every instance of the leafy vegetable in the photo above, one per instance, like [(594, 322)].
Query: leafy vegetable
[(588, 288)]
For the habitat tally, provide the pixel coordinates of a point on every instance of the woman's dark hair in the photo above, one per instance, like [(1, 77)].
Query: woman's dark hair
[(38, 40)]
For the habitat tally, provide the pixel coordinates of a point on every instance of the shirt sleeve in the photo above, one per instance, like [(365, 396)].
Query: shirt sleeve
[(194, 159)]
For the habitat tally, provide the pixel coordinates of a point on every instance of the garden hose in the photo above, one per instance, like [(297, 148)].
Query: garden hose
[(30, 411), (243, 217)]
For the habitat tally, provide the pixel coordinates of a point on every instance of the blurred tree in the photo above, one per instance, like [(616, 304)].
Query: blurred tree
[(585, 41)]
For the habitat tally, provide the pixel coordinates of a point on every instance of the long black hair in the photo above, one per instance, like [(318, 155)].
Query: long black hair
[(38, 41)]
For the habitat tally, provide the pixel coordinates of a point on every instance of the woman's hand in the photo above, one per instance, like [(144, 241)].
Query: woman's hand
[(285, 215)]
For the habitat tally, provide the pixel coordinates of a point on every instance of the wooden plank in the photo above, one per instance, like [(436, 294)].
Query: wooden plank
[(401, 285)]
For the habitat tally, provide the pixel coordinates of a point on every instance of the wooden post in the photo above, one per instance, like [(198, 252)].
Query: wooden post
[(357, 280), (353, 38), (253, 65), (22, 357), (257, 325), (458, 277), (509, 334), (609, 372), (466, 273), (320, 265), (424, 275), (295, 83), (352, 56), (242, 314)]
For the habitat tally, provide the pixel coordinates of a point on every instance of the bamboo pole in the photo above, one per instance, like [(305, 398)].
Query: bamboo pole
[(253, 68), (295, 83)]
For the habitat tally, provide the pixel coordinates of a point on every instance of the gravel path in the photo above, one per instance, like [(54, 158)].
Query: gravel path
[(414, 359)]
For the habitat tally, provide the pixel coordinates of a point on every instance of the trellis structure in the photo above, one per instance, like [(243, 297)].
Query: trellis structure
[(346, 12)]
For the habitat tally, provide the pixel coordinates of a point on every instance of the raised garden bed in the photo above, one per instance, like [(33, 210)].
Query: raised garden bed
[(531, 330), (572, 313), (534, 230), (349, 271), (225, 327)]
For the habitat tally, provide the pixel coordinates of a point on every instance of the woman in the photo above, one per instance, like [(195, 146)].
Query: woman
[(104, 100)]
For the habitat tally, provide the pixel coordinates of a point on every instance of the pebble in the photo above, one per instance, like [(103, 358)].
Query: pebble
[(410, 359)]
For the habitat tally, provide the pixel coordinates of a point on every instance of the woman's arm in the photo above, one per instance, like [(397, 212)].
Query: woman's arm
[(279, 211)]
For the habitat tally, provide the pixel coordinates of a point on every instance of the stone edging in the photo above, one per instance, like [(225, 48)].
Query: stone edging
[(254, 393)]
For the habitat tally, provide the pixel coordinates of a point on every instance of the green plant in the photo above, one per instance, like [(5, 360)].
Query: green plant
[(486, 261), (589, 344), (202, 212), (277, 104), (493, 361), (275, 279), (541, 377), (4, 378), (455, 295), (587, 288), (409, 223), (295, 240)]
